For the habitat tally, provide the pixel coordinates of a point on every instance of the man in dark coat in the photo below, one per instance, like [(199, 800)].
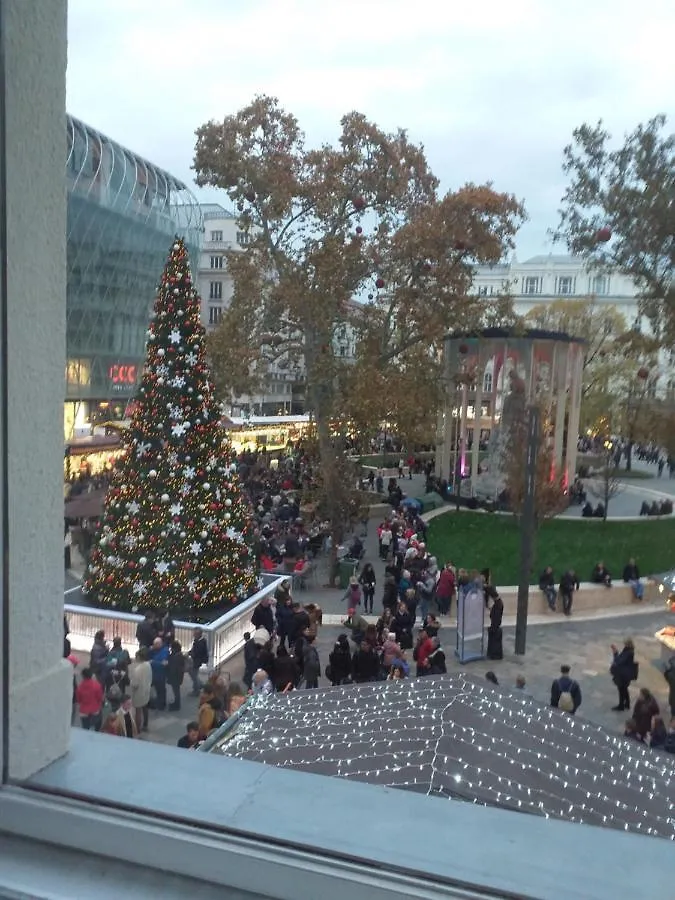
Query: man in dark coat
[(263, 616)]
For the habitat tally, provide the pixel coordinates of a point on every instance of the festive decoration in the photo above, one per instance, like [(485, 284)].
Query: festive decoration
[(643, 373), (463, 349), (359, 230), (602, 235), (462, 739), (359, 202), (174, 508), (379, 283)]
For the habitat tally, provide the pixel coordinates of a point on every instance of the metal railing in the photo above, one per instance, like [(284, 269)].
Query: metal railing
[(225, 636)]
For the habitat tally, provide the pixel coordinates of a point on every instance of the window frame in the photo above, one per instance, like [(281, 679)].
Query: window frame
[(215, 290), (216, 236), (216, 262), (537, 284)]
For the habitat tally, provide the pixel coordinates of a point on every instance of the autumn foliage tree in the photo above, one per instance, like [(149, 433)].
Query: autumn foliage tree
[(354, 233), (618, 213)]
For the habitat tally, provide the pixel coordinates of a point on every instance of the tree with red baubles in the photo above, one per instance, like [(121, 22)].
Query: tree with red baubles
[(602, 235), (310, 273), (175, 528)]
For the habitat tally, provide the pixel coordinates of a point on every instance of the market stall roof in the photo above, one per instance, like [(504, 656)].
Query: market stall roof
[(85, 506), (455, 737), (667, 579)]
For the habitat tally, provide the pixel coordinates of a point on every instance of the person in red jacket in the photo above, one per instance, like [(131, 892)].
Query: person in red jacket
[(424, 647), (89, 696), (445, 588)]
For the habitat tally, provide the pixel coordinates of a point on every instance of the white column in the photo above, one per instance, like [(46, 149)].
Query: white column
[(40, 680)]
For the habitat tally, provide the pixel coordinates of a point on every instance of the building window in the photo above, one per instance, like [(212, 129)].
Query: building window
[(487, 383), (215, 314), (216, 235), (532, 285), (565, 285), (482, 291), (216, 262), (243, 238), (216, 290), (600, 285)]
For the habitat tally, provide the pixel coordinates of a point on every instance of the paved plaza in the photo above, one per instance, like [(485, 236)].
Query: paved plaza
[(582, 642)]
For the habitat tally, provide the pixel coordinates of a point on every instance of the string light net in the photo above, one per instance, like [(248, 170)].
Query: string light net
[(456, 738), (175, 528)]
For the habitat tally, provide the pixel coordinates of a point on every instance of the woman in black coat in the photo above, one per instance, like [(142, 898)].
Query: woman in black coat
[(340, 661), (495, 649), (402, 626), (365, 664), (622, 671)]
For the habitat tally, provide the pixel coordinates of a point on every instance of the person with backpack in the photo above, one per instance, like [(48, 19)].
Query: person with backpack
[(565, 692)]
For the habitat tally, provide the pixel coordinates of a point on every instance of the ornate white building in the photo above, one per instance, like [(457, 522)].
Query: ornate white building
[(545, 278)]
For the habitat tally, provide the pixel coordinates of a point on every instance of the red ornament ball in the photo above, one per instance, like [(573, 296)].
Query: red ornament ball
[(379, 283), (463, 349), (643, 373), (359, 230), (460, 245), (359, 202), (602, 235)]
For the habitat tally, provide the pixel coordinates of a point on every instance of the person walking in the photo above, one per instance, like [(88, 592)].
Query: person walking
[(623, 670), (311, 664), (368, 582), (569, 583), (140, 687), (565, 692)]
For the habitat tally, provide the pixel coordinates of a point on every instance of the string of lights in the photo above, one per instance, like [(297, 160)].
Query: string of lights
[(457, 738)]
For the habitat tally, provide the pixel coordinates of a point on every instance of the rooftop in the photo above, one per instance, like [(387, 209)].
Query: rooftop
[(457, 738), (215, 211)]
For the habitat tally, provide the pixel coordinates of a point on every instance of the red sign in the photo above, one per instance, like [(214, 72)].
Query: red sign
[(124, 375)]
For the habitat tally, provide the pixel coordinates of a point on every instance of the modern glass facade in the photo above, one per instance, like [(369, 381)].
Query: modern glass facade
[(122, 215)]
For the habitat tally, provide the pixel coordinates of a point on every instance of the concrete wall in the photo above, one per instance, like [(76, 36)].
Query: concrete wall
[(34, 38)]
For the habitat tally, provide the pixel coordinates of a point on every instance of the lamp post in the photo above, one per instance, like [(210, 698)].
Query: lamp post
[(528, 527)]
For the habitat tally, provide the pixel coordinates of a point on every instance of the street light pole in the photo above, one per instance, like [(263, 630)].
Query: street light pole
[(528, 526)]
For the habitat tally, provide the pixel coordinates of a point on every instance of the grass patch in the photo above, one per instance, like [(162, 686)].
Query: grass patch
[(480, 540)]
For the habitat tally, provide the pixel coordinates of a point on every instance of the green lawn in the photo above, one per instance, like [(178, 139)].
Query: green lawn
[(480, 540)]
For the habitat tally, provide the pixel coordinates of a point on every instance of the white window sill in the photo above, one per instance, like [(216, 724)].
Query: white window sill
[(281, 834)]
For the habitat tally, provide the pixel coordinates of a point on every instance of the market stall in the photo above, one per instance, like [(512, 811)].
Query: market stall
[(665, 585)]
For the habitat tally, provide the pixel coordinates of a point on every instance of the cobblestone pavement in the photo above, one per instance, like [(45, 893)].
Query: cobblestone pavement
[(584, 645)]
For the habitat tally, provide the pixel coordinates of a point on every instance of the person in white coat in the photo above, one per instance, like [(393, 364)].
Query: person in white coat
[(140, 684)]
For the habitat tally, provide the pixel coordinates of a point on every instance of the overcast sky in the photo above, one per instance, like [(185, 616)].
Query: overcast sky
[(492, 89)]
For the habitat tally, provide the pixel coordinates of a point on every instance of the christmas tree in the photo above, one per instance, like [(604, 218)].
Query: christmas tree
[(175, 524)]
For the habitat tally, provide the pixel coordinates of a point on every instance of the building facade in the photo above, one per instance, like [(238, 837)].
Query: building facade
[(543, 279), (283, 389), (123, 212)]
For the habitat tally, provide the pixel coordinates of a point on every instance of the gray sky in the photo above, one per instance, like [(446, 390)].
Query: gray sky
[(492, 89)]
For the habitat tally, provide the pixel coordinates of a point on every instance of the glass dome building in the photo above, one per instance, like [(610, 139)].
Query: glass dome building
[(123, 212)]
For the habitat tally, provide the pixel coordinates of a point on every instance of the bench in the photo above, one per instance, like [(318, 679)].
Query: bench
[(588, 597)]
